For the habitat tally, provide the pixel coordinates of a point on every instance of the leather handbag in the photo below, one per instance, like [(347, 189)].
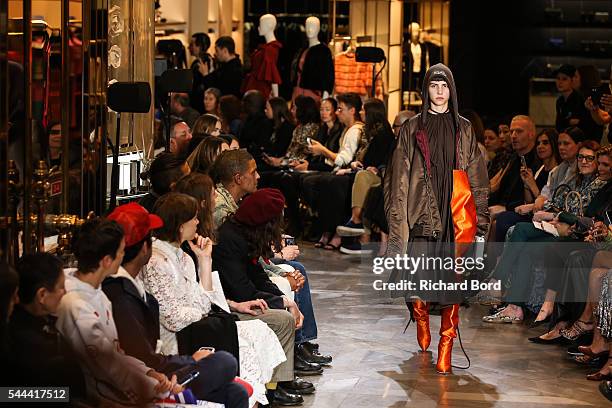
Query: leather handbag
[(463, 209)]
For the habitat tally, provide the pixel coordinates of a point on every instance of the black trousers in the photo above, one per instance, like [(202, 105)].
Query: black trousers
[(330, 196), (217, 330)]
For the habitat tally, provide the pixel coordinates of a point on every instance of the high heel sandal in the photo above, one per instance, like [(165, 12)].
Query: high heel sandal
[(576, 331)]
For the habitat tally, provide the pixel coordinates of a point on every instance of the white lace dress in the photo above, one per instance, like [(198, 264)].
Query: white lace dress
[(170, 276)]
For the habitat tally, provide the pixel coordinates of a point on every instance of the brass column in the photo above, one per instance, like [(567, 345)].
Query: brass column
[(27, 101), (66, 105), (4, 126)]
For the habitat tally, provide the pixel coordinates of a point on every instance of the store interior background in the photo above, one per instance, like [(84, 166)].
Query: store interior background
[(502, 53)]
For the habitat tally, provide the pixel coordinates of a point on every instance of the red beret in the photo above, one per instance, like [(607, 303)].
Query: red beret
[(136, 222), (260, 207)]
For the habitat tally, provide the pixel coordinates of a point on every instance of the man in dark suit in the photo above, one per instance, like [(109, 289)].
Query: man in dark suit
[(136, 315)]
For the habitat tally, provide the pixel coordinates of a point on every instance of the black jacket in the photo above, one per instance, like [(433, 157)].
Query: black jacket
[(318, 70), (242, 278), (281, 139), (137, 324), (227, 78), (380, 149), (511, 192), (41, 354)]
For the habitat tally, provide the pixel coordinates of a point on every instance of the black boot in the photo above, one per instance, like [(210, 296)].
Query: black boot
[(303, 368), (312, 356)]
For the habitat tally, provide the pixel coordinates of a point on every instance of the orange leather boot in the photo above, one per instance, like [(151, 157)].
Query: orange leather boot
[(448, 331), (420, 312)]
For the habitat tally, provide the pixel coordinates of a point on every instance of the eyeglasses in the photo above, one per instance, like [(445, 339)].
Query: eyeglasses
[(589, 159)]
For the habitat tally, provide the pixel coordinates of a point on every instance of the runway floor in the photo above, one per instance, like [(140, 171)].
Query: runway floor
[(377, 365)]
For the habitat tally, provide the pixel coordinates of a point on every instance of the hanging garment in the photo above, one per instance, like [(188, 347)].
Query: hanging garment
[(353, 76), (264, 71)]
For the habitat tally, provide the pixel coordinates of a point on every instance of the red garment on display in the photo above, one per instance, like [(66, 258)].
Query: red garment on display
[(264, 71)]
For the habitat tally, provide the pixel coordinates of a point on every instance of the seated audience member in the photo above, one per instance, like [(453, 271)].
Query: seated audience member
[(352, 141), (207, 125), (283, 128), (329, 135), (180, 137), (185, 302), (202, 158), (40, 351), (548, 153), (136, 315), (9, 297), (373, 211), (478, 128), (86, 321), (211, 101), (492, 142), (503, 154), (235, 173), (243, 238), (307, 116), (369, 171), (256, 129), (516, 262), (228, 75), (228, 195), (507, 189), (230, 108), (231, 140), (179, 105), (165, 170), (576, 267)]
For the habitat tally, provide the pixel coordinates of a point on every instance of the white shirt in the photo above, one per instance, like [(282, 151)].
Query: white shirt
[(85, 319), (349, 144), (415, 50)]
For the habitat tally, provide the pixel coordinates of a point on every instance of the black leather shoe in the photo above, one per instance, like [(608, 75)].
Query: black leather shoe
[(312, 356), (606, 389), (305, 368), (556, 340), (312, 347), (297, 386), (280, 397)]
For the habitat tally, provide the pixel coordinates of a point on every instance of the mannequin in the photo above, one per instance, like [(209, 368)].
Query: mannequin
[(264, 75), (414, 59), (315, 66), (433, 51)]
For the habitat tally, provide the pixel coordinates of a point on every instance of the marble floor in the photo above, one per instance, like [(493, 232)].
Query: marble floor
[(377, 365)]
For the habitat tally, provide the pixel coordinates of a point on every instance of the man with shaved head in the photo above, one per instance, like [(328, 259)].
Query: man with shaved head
[(511, 190)]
